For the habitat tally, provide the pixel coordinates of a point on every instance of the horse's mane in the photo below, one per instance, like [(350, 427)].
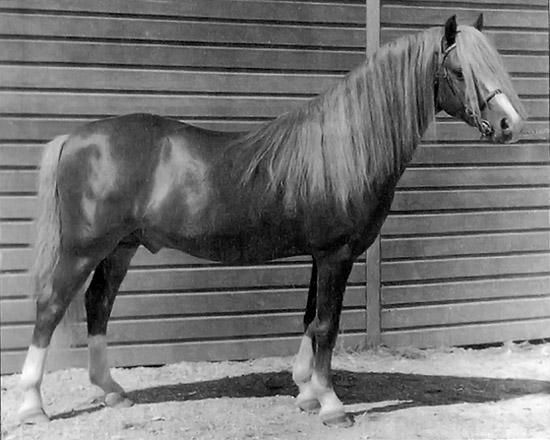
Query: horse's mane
[(359, 135)]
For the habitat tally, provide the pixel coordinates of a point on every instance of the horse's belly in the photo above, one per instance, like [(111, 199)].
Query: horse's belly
[(235, 243)]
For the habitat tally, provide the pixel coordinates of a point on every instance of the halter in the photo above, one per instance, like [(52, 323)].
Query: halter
[(484, 126)]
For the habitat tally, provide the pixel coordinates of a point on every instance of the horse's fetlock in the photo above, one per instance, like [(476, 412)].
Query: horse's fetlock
[(301, 373)]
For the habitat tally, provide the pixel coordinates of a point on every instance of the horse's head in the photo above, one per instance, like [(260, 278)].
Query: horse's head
[(472, 84)]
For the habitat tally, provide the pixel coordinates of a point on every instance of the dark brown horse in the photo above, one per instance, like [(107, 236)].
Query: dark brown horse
[(318, 180)]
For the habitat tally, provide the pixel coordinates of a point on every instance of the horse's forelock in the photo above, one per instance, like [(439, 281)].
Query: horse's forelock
[(480, 61)]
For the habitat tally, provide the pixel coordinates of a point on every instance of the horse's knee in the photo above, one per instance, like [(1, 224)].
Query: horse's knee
[(325, 333)]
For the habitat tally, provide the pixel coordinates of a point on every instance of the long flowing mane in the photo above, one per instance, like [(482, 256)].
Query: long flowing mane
[(351, 138), (361, 133)]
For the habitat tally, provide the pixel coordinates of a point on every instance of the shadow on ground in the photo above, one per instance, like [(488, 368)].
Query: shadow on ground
[(410, 390)]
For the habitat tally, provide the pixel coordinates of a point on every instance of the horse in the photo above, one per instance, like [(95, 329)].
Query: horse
[(318, 180)]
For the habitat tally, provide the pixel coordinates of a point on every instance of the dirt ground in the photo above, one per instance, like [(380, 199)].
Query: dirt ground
[(495, 393)]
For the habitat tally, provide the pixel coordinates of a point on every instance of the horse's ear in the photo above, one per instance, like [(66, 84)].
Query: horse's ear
[(479, 23), (450, 31)]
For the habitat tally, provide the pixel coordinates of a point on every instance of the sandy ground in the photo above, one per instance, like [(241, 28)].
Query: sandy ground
[(495, 393)]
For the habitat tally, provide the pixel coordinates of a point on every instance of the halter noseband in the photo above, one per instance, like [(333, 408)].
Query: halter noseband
[(484, 126)]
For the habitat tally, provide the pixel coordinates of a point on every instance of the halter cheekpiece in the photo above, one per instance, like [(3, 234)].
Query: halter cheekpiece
[(484, 126)]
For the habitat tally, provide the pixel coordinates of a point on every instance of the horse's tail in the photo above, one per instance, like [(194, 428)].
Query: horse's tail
[(48, 223)]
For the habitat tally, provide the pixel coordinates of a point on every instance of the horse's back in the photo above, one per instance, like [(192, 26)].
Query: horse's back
[(115, 173)]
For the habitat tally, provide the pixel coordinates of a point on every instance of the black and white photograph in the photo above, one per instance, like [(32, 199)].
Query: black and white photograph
[(274, 220)]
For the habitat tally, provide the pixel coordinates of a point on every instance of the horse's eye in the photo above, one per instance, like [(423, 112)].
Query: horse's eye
[(459, 74)]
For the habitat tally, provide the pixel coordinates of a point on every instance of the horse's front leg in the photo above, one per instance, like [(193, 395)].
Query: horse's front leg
[(303, 364), (333, 269)]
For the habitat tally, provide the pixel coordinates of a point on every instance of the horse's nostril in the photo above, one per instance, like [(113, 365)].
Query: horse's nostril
[(504, 124)]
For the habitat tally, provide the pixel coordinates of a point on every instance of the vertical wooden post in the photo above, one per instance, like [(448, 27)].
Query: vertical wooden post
[(373, 289), (372, 293)]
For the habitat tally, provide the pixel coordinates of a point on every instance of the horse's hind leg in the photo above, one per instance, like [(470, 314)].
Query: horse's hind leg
[(68, 277), (100, 298)]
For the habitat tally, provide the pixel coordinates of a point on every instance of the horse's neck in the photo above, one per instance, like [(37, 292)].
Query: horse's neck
[(411, 112)]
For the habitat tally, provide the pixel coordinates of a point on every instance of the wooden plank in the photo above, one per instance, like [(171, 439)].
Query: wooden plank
[(531, 86), (13, 128), (179, 31), (204, 278), (135, 306), (480, 153), (465, 267), (436, 16), (503, 40), (473, 176), (374, 260), (451, 131), (211, 57), (373, 294), (182, 329), (132, 79), (478, 244), (17, 207), (59, 103), (372, 291), (15, 259), (303, 12), (406, 224), (101, 103), (465, 313), (15, 154), (44, 129), (18, 181), (465, 290), (155, 80), (469, 334), (16, 233), (153, 354), (178, 56), (482, 4), (471, 199)]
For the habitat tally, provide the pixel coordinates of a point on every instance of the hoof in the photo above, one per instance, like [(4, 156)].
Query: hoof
[(309, 405), (117, 400), (33, 416), (337, 420)]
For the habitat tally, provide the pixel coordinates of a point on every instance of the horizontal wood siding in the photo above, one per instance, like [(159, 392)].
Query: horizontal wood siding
[(219, 64), (466, 249)]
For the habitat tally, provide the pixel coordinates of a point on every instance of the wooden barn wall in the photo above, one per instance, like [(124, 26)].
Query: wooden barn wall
[(465, 252), (216, 63), (464, 255)]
